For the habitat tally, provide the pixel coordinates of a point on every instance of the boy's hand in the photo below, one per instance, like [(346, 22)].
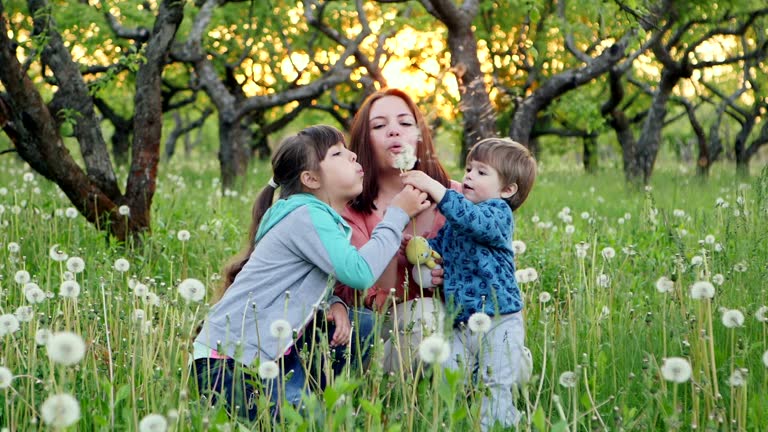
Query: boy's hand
[(422, 181), (411, 201), (337, 314)]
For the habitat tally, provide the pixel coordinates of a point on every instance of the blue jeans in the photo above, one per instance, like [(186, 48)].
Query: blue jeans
[(228, 378)]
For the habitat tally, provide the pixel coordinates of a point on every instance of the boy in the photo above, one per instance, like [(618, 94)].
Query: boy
[(475, 244)]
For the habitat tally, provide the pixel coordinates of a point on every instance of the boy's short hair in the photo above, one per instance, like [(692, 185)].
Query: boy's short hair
[(512, 160)]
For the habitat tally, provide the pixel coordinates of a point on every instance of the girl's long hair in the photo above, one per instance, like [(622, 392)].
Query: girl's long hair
[(296, 154), (360, 143)]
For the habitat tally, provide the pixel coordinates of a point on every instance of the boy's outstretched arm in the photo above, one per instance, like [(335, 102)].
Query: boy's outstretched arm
[(424, 183), (489, 222)]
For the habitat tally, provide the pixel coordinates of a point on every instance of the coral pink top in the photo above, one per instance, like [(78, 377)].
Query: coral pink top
[(376, 297)]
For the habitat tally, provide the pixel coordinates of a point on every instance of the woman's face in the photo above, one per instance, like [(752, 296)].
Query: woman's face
[(393, 126)]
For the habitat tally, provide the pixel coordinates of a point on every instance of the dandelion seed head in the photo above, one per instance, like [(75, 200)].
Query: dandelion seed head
[(153, 423), (57, 254), (570, 229), (520, 276), (406, 159), (24, 314), (268, 370), (676, 369), (281, 329), (740, 267), (124, 210), (434, 349), (765, 358), (192, 290), (738, 378), (13, 247), (60, 410), (718, 279), (122, 265), (75, 265), (140, 290), (608, 253), (697, 260), (42, 336), (22, 277), (762, 314), (664, 285), (66, 348), (531, 275), (479, 322), (603, 280), (702, 289), (568, 379), (70, 212), (183, 235), (34, 295), (69, 289), (518, 247), (709, 239), (545, 297), (8, 324), (733, 318), (6, 377)]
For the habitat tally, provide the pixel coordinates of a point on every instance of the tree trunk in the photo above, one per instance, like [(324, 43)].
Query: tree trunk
[(589, 157), (234, 150)]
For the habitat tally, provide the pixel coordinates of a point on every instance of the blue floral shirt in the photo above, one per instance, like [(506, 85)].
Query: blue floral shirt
[(476, 246)]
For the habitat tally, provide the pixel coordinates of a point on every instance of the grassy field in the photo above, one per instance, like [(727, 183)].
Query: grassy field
[(598, 324)]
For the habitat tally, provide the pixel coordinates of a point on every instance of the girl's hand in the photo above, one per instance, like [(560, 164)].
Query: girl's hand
[(338, 315), (404, 243), (412, 201)]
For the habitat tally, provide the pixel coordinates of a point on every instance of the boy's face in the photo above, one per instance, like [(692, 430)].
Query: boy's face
[(482, 182)]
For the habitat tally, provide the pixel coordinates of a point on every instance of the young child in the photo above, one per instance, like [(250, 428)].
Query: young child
[(298, 247), (475, 244)]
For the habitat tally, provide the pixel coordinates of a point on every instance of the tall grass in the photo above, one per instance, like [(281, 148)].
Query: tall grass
[(597, 326)]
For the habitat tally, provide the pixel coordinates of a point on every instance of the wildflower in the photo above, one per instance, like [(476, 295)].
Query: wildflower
[(740, 267), (153, 423), (68, 275), (13, 247), (570, 229), (42, 336), (697, 260), (183, 235), (66, 348), (718, 279), (702, 289), (581, 249), (139, 315), (56, 254), (603, 280), (75, 265), (192, 290), (152, 299), (535, 219), (124, 210), (140, 290), (518, 247), (676, 369), (434, 349), (520, 276), (545, 297), (620, 221), (738, 378), (8, 324), (664, 285), (268, 370), (678, 213), (24, 313), (568, 379), (6, 377), (531, 274), (34, 294), (60, 411), (406, 159), (122, 265), (479, 322), (70, 212), (608, 253), (762, 314), (280, 329), (585, 215), (709, 239), (28, 177), (69, 289), (22, 277), (733, 318), (765, 358)]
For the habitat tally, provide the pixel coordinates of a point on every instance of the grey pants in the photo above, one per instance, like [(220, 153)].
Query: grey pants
[(500, 359)]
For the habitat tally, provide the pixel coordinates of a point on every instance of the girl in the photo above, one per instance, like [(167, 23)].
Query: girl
[(298, 246)]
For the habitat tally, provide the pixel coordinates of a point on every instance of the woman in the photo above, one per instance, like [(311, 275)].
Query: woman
[(388, 121)]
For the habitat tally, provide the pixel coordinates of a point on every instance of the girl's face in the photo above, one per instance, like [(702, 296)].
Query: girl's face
[(393, 126), (342, 176)]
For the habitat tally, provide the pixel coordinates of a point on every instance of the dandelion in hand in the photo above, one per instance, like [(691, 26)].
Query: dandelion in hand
[(676, 369), (406, 159)]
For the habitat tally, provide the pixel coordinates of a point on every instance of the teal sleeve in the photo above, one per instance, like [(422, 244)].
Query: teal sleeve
[(359, 269)]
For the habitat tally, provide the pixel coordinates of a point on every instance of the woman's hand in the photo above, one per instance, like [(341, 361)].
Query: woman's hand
[(438, 274), (338, 315), (412, 201)]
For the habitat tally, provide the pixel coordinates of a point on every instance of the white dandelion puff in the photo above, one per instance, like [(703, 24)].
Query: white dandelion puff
[(8, 324), (192, 290), (22, 277), (718, 247), (6, 377), (718, 279), (676, 369), (140, 290), (183, 235), (70, 212), (702, 289), (603, 280), (568, 379), (60, 410), (139, 315), (122, 265), (738, 378), (406, 159), (153, 423), (697, 260), (733, 318), (709, 239), (664, 285), (35, 295), (66, 348), (434, 349), (124, 210), (479, 322), (518, 247), (268, 370), (570, 229), (521, 276), (75, 265), (765, 358), (740, 267), (678, 213), (608, 253), (585, 215), (762, 314), (69, 289), (24, 314), (29, 286), (42, 336), (57, 254), (280, 329), (545, 297), (13, 247), (68, 275)]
